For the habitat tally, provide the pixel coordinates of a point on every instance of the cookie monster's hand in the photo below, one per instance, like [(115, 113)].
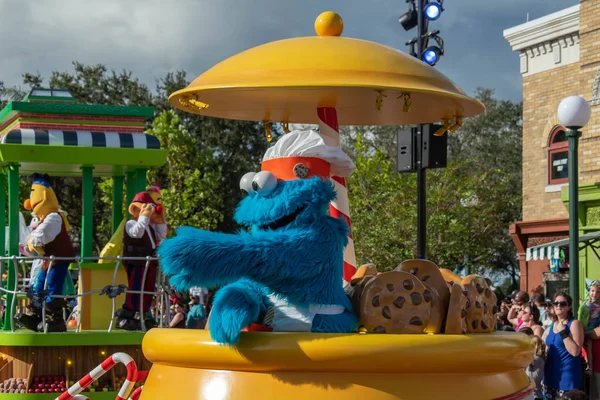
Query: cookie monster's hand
[(236, 306)]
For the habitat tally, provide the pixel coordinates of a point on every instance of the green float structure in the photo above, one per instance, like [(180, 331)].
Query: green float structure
[(50, 132)]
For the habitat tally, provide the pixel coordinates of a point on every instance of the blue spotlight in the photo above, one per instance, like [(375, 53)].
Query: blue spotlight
[(433, 11), (431, 55)]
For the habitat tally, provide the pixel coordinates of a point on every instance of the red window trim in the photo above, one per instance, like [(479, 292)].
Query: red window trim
[(554, 148)]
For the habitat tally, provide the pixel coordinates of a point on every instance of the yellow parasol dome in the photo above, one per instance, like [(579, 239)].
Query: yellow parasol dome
[(287, 80)]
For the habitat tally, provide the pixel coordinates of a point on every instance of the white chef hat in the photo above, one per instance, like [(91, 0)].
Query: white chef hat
[(303, 154)]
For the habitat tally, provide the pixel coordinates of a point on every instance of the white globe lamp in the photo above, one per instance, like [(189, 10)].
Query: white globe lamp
[(574, 112)]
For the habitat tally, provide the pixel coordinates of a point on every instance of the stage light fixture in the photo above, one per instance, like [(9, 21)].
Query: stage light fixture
[(409, 19), (433, 10), (431, 55), (411, 43)]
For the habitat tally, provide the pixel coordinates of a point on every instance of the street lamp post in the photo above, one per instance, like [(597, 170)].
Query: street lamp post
[(574, 113)]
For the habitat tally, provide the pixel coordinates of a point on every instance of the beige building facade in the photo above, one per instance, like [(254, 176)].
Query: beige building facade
[(559, 56)]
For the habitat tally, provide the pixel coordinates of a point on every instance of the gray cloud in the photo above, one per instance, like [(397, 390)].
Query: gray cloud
[(154, 37)]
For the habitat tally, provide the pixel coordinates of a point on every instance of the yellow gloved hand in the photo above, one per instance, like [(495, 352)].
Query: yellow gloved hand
[(32, 248)]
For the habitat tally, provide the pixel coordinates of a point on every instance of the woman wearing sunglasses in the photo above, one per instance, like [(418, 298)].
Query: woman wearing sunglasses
[(530, 317), (564, 338)]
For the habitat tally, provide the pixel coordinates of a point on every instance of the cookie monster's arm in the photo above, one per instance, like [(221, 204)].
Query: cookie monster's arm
[(210, 259)]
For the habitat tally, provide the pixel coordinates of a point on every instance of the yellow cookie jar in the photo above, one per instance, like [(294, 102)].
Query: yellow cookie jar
[(187, 364)]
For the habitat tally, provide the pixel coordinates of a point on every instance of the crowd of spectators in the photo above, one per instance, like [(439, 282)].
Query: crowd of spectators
[(189, 310), (564, 344)]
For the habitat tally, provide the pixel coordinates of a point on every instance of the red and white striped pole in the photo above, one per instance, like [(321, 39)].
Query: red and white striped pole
[(339, 208), (100, 370), (136, 393)]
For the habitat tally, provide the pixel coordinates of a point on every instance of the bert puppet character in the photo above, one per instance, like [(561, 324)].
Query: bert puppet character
[(143, 233), (50, 238)]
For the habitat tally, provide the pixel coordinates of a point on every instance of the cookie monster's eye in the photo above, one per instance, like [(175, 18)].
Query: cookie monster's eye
[(264, 182), (246, 182)]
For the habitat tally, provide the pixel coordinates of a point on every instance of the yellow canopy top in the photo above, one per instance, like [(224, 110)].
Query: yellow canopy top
[(287, 80)]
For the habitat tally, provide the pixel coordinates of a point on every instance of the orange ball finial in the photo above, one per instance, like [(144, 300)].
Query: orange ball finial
[(329, 23)]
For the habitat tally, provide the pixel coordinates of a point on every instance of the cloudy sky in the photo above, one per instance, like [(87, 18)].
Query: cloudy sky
[(153, 37)]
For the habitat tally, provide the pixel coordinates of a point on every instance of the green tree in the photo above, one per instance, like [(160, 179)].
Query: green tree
[(189, 179), (381, 208), (470, 204), (461, 217), (497, 131), (33, 80), (8, 94), (237, 145), (492, 142), (382, 138), (94, 84)]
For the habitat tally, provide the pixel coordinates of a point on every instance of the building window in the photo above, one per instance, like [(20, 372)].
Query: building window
[(558, 150)]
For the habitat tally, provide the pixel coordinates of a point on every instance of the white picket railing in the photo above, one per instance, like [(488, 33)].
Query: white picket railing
[(22, 285)]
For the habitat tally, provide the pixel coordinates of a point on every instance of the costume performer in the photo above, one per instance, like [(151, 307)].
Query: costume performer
[(142, 234), (287, 271), (49, 238), (114, 247)]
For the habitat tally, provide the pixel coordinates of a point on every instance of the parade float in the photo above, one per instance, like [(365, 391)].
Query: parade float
[(453, 351), (50, 132)]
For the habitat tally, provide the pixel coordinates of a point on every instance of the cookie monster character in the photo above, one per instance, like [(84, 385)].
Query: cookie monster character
[(286, 270), (49, 238), (141, 237)]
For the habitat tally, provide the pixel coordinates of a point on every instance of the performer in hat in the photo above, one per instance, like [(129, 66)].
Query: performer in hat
[(141, 237)]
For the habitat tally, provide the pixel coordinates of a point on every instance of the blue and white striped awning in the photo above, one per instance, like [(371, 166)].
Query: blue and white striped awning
[(551, 250), (81, 138)]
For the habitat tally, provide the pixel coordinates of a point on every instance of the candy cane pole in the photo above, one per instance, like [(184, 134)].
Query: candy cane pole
[(136, 393), (339, 208), (100, 370)]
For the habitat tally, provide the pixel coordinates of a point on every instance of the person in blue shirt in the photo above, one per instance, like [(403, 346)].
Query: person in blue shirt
[(196, 318), (564, 338)]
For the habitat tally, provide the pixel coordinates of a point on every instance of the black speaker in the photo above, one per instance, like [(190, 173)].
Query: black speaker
[(434, 149), (406, 150)]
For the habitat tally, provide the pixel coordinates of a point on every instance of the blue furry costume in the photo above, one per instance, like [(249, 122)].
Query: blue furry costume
[(294, 250)]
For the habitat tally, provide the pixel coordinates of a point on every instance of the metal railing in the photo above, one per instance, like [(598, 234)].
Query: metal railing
[(23, 286)]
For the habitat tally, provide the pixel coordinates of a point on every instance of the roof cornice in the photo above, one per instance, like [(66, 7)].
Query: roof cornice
[(545, 29)]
